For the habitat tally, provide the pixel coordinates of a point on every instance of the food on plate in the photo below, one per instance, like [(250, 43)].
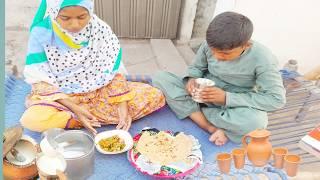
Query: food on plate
[(112, 144), (163, 148)]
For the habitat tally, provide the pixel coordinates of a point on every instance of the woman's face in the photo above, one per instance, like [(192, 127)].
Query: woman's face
[(73, 18)]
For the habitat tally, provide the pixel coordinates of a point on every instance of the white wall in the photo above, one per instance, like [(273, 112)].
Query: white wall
[(186, 20), (290, 28)]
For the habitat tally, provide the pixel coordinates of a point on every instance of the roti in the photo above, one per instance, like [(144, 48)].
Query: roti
[(163, 148)]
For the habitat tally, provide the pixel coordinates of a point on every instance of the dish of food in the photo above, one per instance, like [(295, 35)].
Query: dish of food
[(163, 148), (113, 142), (164, 154)]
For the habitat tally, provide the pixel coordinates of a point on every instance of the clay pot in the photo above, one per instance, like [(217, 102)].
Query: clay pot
[(278, 156), (25, 170), (224, 162), (291, 163), (259, 149), (19, 172), (238, 156)]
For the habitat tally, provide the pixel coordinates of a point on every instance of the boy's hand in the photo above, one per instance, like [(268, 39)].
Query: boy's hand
[(213, 95), (190, 86)]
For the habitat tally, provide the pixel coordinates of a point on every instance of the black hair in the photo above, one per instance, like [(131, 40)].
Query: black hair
[(229, 30)]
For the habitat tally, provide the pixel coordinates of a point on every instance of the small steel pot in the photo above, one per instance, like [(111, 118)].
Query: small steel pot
[(78, 151)]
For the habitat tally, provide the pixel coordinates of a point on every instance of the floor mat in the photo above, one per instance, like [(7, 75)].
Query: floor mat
[(117, 166), (113, 166)]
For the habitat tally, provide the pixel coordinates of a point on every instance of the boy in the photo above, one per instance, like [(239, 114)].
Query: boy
[(247, 82)]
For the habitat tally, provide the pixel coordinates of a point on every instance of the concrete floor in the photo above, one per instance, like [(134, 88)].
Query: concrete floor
[(150, 56)]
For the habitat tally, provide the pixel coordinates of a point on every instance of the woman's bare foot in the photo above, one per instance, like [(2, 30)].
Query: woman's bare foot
[(218, 137)]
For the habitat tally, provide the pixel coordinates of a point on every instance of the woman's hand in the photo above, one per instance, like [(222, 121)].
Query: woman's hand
[(213, 95), (125, 119), (88, 120)]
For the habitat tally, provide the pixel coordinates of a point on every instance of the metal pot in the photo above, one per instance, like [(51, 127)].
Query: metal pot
[(78, 151)]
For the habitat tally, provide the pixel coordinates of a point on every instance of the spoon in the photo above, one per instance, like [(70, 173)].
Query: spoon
[(17, 155)]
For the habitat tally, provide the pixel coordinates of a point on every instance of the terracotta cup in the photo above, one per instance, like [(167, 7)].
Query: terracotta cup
[(224, 162), (291, 163), (238, 156), (278, 156)]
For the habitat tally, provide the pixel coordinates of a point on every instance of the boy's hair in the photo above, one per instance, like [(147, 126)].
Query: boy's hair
[(229, 30)]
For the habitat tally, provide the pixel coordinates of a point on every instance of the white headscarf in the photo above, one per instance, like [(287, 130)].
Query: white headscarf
[(84, 69)]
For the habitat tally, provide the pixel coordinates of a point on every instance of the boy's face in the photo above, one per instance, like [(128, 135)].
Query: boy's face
[(73, 18), (229, 55)]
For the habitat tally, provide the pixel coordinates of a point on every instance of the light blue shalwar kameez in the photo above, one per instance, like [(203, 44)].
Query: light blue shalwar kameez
[(252, 83)]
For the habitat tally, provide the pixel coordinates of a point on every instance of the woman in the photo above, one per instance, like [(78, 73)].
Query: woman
[(72, 63)]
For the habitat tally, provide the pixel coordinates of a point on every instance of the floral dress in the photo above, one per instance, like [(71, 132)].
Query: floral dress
[(43, 112)]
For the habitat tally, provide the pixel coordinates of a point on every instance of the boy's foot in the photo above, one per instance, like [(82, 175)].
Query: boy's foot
[(218, 137)]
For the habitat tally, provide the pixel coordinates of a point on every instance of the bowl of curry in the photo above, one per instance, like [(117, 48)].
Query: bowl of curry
[(113, 142)]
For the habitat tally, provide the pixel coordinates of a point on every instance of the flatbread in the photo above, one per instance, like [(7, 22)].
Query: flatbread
[(163, 148)]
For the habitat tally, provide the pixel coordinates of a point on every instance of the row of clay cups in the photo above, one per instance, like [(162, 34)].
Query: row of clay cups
[(224, 160), (282, 158)]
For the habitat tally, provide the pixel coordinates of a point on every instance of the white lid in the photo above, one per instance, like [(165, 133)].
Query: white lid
[(49, 164)]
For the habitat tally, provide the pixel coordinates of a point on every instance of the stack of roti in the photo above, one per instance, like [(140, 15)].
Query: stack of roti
[(163, 148)]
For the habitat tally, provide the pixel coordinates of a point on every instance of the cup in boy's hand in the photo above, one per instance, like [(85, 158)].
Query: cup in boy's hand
[(200, 84)]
